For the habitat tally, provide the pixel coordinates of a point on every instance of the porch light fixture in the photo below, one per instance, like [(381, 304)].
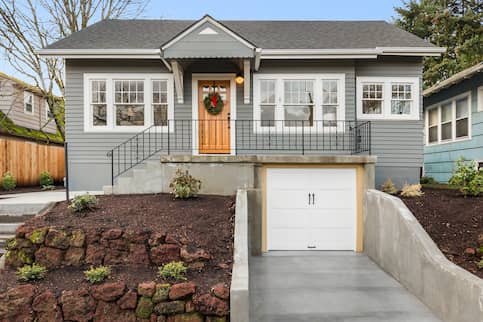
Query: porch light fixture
[(239, 79)]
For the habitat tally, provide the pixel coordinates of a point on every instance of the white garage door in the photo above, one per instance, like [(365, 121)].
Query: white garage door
[(311, 209)]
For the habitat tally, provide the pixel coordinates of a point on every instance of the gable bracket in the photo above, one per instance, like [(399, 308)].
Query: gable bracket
[(246, 82), (178, 80)]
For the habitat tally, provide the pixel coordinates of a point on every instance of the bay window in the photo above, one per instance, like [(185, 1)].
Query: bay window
[(388, 98), (312, 101), (127, 102), (449, 121)]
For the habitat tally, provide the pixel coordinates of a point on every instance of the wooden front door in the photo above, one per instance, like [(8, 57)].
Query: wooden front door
[(214, 130)]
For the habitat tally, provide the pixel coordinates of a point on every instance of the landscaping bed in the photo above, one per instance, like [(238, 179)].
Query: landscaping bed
[(454, 222), (134, 235)]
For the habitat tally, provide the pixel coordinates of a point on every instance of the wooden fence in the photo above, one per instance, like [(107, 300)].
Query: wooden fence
[(26, 160)]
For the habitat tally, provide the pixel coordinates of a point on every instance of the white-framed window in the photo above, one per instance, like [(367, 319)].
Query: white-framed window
[(449, 121), (480, 99), (388, 98), (127, 102), (47, 113), (28, 102), (290, 102)]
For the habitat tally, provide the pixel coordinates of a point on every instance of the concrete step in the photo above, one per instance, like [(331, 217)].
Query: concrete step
[(4, 238)]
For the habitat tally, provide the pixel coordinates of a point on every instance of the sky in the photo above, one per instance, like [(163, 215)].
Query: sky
[(263, 10), (274, 9)]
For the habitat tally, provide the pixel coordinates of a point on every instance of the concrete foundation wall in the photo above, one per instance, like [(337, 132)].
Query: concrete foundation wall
[(395, 240)]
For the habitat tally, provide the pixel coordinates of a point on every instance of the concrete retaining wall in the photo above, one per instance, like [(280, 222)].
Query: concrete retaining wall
[(395, 240), (239, 303)]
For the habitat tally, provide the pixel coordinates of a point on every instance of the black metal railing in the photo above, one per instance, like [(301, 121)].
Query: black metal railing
[(241, 137)]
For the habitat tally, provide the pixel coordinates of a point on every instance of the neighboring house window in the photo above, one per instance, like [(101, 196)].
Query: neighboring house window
[(449, 121), (128, 102), (47, 111), (28, 102), (293, 101), (480, 98), (388, 98)]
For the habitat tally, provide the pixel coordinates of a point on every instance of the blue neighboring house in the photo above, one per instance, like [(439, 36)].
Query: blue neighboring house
[(453, 111)]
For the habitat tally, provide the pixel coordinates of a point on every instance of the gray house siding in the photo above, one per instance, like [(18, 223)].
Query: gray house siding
[(12, 103), (398, 144)]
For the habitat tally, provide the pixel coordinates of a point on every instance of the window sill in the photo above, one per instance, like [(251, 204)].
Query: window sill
[(446, 142)]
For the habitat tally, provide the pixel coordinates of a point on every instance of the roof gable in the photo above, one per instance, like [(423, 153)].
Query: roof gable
[(207, 38)]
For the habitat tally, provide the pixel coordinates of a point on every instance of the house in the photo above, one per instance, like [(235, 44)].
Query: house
[(25, 106), (298, 110), (453, 113)]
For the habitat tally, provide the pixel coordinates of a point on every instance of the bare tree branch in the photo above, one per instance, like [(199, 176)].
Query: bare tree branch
[(27, 25)]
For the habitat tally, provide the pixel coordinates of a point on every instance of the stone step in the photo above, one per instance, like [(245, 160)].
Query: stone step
[(8, 228)]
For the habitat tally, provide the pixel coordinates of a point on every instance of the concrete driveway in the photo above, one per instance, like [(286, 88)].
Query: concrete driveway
[(328, 286)]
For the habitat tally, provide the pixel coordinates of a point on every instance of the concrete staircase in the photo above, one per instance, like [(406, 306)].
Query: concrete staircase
[(8, 225), (146, 177)]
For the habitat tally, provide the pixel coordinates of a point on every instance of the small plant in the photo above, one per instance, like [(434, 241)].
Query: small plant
[(82, 203), (31, 272), (97, 274), (51, 187), (411, 190), (46, 179), (8, 181), (174, 270), (389, 187), (184, 186), (427, 180), (467, 177)]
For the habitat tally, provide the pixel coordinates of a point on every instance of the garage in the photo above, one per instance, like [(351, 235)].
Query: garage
[(311, 209)]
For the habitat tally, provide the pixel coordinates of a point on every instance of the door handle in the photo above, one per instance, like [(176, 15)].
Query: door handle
[(309, 198), (313, 198), (228, 118)]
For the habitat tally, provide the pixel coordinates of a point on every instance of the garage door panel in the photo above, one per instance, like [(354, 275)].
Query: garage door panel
[(288, 239), (326, 218), (288, 199), (328, 223)]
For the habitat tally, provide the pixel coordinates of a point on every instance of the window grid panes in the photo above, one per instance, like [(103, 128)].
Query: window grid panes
[(129, 102), (298, 102), (99, 102), (28, 102), (267, 102), (401, 98), (160, 102), (372, 98), (330, 97)]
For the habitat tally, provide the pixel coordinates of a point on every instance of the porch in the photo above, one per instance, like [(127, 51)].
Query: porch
[(228, 137)]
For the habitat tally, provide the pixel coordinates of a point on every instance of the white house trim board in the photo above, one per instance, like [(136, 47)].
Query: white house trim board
[(194, 108), (246, 82), (178, 81), (201, 22), (110, 113)]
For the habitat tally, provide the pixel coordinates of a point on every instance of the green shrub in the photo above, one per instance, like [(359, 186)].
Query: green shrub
[(467, 177), (97, 274), (81, 203), (411, 190), (46, 179), (31, 272), (51, 187), (480, 264), (427, 180), (174, 270), (184, 186), (389, 187), (8, 182)]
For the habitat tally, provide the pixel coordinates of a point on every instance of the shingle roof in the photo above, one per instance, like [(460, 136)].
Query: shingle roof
[(455, 79), (151, 34)]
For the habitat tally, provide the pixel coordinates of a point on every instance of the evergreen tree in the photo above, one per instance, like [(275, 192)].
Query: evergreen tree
[(453, 24)]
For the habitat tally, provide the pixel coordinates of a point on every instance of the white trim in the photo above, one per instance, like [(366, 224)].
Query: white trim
[(318, 103), (350, 52), (479, 103), (246, 81), (453, 139), (111, 115), (386, 104), (201, 22), (25, 95), (178, 81), (208, 31), (194, 108)]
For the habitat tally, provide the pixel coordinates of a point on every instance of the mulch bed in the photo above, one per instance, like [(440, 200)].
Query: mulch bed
[(206, 222), (26, 189), (454, 222)]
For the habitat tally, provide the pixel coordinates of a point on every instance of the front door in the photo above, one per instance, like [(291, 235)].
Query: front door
[(214, 130)]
